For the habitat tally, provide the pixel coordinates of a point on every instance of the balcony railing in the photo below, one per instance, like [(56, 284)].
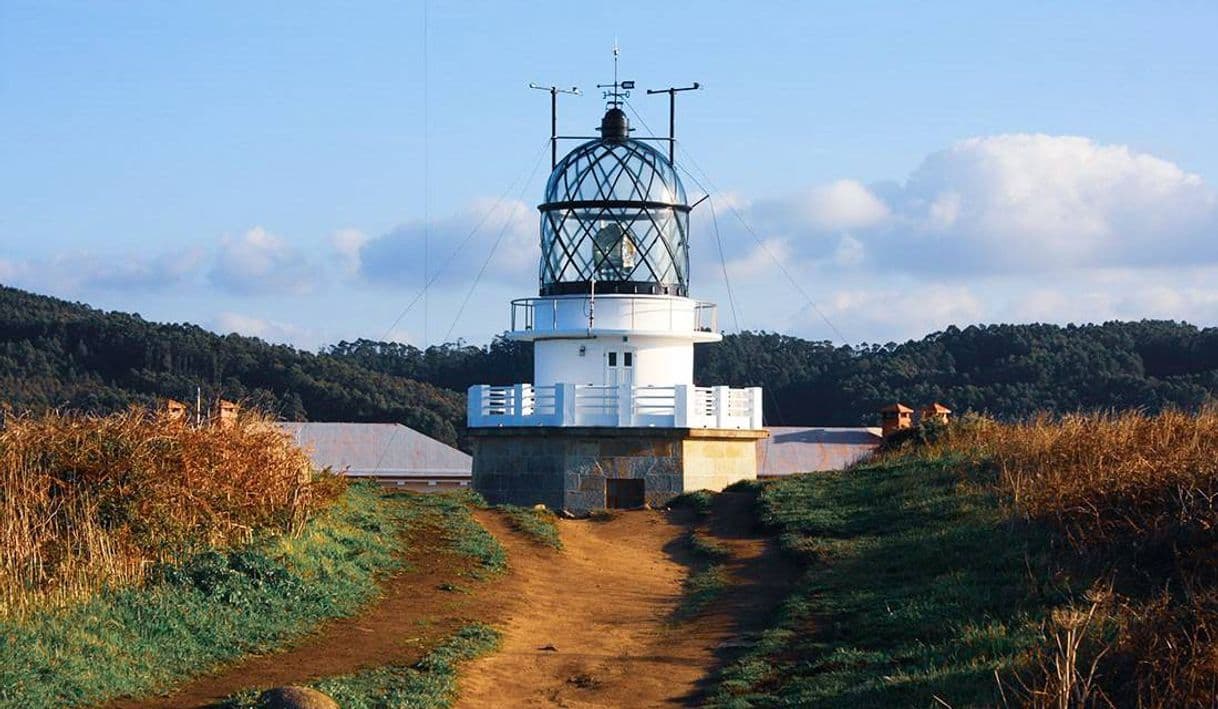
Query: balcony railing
[(613, 312), (681, 406)]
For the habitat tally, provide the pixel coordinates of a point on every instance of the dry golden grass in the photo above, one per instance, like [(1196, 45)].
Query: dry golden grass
[(88, 502), (1135, 499)]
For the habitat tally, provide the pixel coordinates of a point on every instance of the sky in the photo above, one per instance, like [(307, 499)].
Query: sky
[(876, 171)]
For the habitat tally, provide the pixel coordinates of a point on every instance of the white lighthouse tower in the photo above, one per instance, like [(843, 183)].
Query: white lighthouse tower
[(613, 416)]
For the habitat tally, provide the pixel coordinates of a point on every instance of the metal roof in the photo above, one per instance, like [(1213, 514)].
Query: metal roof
[(800, 449), (382, 449)]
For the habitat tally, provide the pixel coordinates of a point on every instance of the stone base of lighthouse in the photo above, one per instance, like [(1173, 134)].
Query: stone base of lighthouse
[(581, 469)]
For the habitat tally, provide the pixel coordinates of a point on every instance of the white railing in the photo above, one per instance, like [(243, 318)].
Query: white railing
[(613, 312), (681, 406)]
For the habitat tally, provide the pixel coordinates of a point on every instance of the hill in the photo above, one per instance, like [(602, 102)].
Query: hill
[(59, 354), (1006, 371), (56, 354), (1062, 562)]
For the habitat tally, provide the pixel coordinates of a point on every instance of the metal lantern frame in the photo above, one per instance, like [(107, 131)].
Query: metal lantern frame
[(614, 181)]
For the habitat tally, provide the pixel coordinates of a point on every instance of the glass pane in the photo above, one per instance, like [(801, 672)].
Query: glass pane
[(612, 359), (615, 211), (628, 359)]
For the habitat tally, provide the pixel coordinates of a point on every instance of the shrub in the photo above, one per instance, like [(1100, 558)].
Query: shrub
[(699, 501), (93, 501), (1132, 496)]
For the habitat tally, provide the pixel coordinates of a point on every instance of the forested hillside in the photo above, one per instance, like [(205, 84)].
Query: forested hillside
[(1007, 371), (59, 354), (55, 354)]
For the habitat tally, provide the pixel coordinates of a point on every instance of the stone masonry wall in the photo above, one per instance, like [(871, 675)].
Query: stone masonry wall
[(566, 468), (715, 464)]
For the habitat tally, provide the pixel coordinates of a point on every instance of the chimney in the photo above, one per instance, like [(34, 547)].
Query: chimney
[(226, 413), (895, 417), (934, 412), (175, 410)]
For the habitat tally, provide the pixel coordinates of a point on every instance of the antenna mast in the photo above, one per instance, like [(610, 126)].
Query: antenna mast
[(618, 90), (554, 92), (672, 114), (616, 52)]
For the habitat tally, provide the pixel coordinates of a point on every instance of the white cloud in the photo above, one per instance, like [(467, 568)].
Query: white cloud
[(993, 229), (1038, 203), (760, 261), (347, 244), (844, 204), (908, 311), (850, 251), (261, 262), (1019, 203), (397, 257), (78, 272), (839, 205), (269, 330), (1096, 295)]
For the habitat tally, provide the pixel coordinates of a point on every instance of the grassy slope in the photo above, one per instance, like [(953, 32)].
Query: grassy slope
[(216, 607), (431, 682), (707, 578), (538, 525), (916, 588)]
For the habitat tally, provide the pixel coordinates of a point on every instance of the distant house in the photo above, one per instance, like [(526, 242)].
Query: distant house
[(802, 449), (396, 456)]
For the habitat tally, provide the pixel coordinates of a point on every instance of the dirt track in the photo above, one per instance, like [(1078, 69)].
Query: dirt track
[(412, 615), (605, 604)]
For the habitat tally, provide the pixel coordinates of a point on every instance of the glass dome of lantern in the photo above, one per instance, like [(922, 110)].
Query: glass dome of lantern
[(615, 219)]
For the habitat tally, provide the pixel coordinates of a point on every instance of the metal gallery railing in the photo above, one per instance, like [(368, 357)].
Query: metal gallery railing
[(616, 312), (680, 406)]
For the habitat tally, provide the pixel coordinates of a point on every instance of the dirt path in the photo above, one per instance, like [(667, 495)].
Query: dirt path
[(589, 626), (412, 615), (604, 605)]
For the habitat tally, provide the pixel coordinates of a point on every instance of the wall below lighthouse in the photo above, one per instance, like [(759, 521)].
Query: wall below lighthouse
[(578, 469)]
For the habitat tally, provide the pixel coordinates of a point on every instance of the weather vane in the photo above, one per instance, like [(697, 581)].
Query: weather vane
[(618, 91)]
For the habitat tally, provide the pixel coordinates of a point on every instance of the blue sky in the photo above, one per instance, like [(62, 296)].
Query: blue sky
[(238, 164)]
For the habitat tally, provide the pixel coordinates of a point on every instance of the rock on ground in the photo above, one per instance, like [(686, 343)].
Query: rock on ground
[(296, 698)]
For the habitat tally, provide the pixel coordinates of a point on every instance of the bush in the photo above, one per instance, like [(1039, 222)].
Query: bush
[(699, 501), (88, 502), (1131, 497)]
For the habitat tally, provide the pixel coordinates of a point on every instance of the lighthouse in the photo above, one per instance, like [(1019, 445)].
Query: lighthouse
[(613, 416)]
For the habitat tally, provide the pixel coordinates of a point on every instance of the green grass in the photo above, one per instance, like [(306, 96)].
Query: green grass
[(699, 589), (698, 501), (707, 578), (431, 682), (464, 535), (917, 587), (705, 547), (217, 606), (538, 525)]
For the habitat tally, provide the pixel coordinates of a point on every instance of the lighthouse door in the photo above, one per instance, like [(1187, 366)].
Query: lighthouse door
[(619, 368)]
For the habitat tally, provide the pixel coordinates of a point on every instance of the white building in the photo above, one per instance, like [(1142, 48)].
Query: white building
[(613, 330)]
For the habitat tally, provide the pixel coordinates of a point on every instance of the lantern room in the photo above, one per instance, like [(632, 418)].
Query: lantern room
[(615, 219)]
